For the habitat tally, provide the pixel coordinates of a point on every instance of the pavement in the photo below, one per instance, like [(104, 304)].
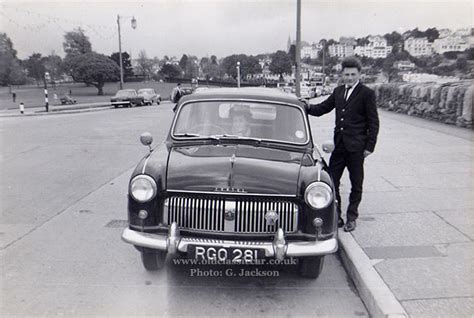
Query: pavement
[(411, 253), (55, 109)]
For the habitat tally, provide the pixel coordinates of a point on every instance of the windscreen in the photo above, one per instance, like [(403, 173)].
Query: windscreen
[(265, 121)]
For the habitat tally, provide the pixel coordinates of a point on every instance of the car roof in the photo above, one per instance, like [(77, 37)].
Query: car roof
[(254, 93)]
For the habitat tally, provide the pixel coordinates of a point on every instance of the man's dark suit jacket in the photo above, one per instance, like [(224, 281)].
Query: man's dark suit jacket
[(357, 121)]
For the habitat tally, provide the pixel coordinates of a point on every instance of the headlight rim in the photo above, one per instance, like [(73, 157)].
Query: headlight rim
[(313, 185), (153, 186)]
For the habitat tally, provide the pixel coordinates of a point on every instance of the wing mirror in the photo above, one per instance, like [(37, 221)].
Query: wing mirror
[(146, 139), (328, 146)]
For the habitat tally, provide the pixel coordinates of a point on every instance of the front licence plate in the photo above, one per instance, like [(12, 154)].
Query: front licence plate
[(225, 254)]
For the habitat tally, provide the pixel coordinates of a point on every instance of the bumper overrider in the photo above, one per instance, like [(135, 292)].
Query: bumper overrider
[(173, 242)]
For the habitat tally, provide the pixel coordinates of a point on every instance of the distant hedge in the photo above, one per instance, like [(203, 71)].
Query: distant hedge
[(450, 103)]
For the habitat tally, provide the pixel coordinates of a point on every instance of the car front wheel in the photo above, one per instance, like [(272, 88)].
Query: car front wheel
[(153, 260), (311, 267)]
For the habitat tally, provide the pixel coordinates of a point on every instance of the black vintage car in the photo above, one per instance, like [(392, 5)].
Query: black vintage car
[(127, 98), (238, 179)]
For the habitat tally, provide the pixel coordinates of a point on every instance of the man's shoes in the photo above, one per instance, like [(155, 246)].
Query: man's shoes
[(340, 222), (350, 226)]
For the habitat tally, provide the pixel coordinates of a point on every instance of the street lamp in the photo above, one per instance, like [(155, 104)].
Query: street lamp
[(134, 26), (238, 74)]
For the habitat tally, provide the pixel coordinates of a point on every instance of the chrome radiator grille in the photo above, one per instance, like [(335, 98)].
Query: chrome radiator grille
[(239, 215)]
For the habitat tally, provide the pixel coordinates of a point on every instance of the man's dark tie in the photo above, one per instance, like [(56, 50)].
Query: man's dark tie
[(346, 92)]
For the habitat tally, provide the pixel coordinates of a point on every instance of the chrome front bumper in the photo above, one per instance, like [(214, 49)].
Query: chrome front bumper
[(279, 248)]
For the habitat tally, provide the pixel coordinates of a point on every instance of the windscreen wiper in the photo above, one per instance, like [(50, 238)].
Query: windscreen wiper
[(187, 135), (228, 136), (195, 135)]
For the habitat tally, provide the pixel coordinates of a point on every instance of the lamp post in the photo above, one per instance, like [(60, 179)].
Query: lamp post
[(298, 48), (238, 74), (134, 26), (324, 66)]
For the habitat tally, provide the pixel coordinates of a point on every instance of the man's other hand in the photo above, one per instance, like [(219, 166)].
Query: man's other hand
[(367, 153), (305, 102)]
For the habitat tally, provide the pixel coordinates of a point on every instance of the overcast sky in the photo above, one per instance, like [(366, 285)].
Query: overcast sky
[(215, 27)]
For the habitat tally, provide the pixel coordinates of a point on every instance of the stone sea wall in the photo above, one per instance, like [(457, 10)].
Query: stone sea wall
[(450, 103)]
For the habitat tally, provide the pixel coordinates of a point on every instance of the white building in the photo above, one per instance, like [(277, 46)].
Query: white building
[(341, 50), (404, 65), (311, 51), (450, 43), (376, 48), (418, 46), (444, 33)]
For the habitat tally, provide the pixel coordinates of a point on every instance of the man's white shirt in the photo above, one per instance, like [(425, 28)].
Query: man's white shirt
[(351, 90)]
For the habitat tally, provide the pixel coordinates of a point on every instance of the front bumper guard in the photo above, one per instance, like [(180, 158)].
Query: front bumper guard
[(279, 248)]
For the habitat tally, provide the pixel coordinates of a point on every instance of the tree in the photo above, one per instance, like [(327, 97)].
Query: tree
[(249, 65), (126, 63), (183, 61), (94, 69), (211, 71), (461, 64), (205, 61), (388, 67), (395, 40), (470, 54), (10, 70), (432, 34), (209, 67), (292, 54), (229, 64), (451, 55), (35, 67), (191, 69), (53, 64), (280, 64), (362, 41), (145, 66), (76, 42), (169, 70)]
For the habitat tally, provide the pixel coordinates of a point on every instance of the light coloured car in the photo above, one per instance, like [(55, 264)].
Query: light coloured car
[(149, 96), (308, 92)]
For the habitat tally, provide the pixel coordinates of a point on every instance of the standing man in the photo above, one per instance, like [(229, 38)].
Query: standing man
[(14, 97), (355, 134), (176, 94)]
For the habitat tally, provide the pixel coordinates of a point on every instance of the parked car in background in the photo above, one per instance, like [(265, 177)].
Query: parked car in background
[(150, 96), (200, 88), (326, 90), (127, 98), (187, 90), (237, 180), (287, 88), (307, 91)]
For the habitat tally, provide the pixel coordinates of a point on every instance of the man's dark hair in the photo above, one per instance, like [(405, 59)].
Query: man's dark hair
[(351, 62)]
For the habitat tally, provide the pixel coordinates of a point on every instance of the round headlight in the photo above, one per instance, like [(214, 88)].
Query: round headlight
[(143, 188), (318, 195)]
